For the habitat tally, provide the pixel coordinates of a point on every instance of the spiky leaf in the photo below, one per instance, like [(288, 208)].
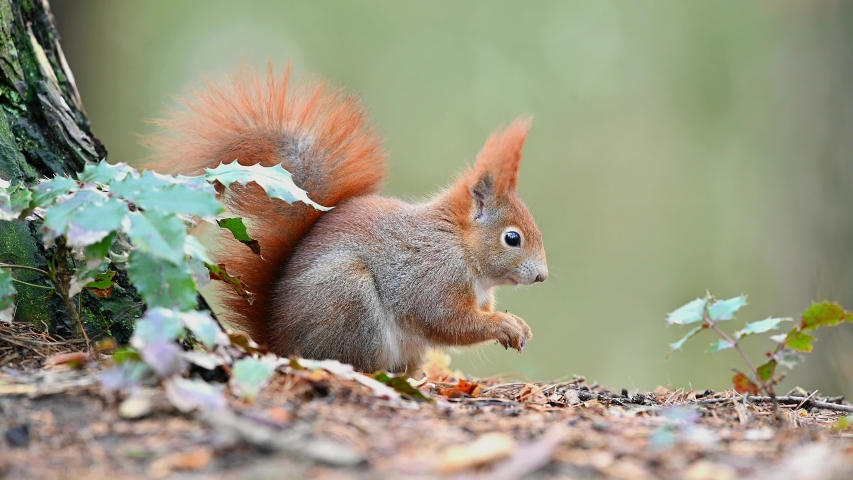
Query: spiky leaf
[(680, 343), (103, 173), (238, 230), (275, 180), (720, 345), (7, 296), (162, 284), (766, 371), (825, 313), (249, 375), (158, 234), (799, 341), (760, 326), (45, 192), (690, 313), (204, 328), (152, 191), (726, 309)]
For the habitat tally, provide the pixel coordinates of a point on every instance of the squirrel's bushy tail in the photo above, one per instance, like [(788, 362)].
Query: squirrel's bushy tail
[(319, 135)]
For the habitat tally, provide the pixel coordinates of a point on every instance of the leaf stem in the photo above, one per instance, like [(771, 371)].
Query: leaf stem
[(32, 284), (24, 267)]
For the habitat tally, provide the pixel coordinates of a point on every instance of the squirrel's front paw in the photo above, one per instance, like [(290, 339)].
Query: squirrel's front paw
[(513, 332)]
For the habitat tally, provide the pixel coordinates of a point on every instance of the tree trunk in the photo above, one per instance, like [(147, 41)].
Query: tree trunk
[(44, 132)]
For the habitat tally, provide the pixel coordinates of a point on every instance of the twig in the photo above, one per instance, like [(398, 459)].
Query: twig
[(24, 267), (799, 401)]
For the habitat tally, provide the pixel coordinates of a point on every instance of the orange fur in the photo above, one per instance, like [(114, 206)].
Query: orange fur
[(320, 135), (499, 160)]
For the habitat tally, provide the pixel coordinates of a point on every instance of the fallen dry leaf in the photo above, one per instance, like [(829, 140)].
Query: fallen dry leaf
[(193, 460), (487, 449)]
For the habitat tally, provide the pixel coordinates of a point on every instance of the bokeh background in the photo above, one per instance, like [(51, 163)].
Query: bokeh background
[(677, 147)]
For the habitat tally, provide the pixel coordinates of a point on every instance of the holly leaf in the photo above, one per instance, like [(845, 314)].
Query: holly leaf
[(49, 190), (744, 385), (760, 326), (825, 313), (680, 343), (401, 385), (102, 281), (218, 272), (720, 346), (7, 296), (690, 313), (160, 235), (158, 325), (81, 208), (153, 191), (164, 357), (204, 328), (103, 173), (188, 395), (162, 284), (238, 230), (249, 375), (195, 249), (726, 309), (766, 371), (13, 201), (787, 357), (275, 180), (799, 341)]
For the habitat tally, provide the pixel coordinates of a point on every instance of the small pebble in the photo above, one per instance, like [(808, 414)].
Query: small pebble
[(18, 437)]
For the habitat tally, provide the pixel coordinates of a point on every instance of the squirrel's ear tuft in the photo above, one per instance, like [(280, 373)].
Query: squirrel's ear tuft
[(500, 158)]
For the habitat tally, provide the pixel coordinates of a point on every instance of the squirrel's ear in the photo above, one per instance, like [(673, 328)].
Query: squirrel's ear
[(498, 162)]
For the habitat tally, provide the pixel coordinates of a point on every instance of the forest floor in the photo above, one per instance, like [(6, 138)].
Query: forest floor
[(57, 422)]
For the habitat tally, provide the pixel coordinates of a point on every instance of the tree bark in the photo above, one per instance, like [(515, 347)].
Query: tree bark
[(44, 132)]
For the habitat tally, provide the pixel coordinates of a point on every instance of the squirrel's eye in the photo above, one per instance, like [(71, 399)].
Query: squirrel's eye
[(513, 239)]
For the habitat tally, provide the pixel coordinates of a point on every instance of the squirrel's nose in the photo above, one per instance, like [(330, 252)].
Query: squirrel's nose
[(541, 277)]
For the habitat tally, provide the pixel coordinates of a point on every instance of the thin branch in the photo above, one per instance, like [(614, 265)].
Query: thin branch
[(799, 402), (32, 284), (24, 267)]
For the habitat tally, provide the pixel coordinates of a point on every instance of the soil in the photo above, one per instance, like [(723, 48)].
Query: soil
[(58, 422)]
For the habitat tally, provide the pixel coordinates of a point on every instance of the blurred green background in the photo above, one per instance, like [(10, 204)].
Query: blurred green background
[(677, 147)]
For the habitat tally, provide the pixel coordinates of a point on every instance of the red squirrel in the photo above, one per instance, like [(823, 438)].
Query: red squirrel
[(375, 282)]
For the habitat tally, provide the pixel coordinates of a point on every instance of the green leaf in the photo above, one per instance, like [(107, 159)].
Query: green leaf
[(204, 328), (677, 345), (158, 325), (766, 371), (49, 190), (103, 173), (195, 249), (103, 280), (800, 341), (59, 216), (690, 313), (188, 395), (275, 180), (760, 326), (152, 191), (218, 272), (824, 313), (93, 222), (162, 284), (158, 234), (401, 385), (97, 252), (726, 309), (7, 296), (126, 354), (238, 229), (720, 346), (13, 201), (249, 375)]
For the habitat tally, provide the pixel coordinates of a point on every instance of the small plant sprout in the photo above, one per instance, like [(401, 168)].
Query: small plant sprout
[(708, 312)]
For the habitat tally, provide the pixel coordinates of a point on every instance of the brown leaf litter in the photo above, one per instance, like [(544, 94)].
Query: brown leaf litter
[(318, 422)]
